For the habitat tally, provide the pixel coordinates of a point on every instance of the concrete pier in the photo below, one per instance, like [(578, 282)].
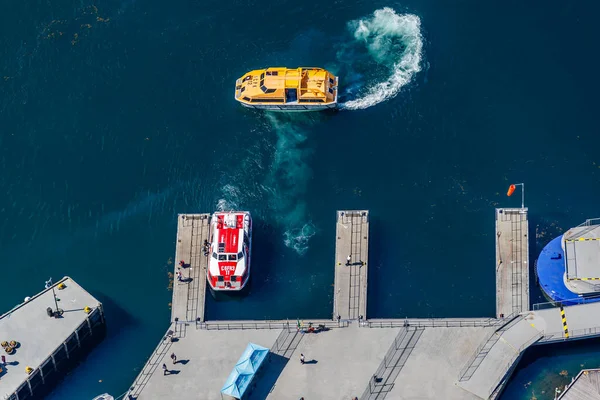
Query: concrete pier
[(439, 358), (189, 293), (351, 265), (49, 343), (585, 386), (512, 261)]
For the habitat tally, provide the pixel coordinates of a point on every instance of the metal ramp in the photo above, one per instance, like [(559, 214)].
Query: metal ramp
[(482, 351), (287, 342), (382, 382)]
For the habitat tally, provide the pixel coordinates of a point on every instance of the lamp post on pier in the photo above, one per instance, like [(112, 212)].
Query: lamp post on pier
[(48, 285)]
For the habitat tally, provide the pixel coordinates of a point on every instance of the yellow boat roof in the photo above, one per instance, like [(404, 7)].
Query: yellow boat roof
[(272, 83)]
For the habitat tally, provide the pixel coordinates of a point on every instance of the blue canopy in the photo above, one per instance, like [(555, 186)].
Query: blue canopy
[(244, 370)]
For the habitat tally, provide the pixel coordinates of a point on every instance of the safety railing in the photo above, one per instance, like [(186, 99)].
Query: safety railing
[(433, 323), (567, 302), (573, 334), (590, 222), (244, 325)]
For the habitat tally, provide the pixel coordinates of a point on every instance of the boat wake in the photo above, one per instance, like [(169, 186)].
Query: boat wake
[(384, 44), (276, 190), (287, 181)]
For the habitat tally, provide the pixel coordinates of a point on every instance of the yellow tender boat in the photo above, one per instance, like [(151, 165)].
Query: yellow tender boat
[(285, 89)]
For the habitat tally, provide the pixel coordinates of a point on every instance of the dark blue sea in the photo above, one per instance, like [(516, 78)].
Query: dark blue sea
[(117, 115)]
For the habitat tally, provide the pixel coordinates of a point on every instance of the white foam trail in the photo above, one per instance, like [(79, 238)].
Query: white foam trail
[(298, 238), (394, 41), (230, 200)]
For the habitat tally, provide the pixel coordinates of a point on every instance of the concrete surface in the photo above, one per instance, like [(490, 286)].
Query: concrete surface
[(189, 294), (350, 287), (38, 334), (512, 261)]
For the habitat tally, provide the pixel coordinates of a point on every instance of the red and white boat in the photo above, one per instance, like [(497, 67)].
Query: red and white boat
[(230, 244)]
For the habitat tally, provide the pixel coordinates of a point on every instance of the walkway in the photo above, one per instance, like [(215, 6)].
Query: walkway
[(352, 239), (188, 294), (512, 267)]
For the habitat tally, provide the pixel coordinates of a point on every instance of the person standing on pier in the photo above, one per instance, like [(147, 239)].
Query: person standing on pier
[(165, 370), (301, 358), (348, 259), (174, 358)]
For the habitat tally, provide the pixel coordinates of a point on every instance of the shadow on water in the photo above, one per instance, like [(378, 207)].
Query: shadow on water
[(376, 260), (117, 319), (542, 229)]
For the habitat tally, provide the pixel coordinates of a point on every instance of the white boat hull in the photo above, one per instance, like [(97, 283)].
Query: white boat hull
[(292, 107)]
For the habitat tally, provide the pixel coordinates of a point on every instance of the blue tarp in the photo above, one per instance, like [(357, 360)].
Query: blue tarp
[(244, 370)]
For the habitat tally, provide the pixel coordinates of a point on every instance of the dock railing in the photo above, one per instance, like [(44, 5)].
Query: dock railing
[(243, 325), (573, 335), (434, 322), (567, 302)]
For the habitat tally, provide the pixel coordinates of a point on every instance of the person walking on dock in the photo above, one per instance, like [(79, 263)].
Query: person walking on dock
[(301, 358), (165, 370), (348, 259), (174, 358), (179, 276)]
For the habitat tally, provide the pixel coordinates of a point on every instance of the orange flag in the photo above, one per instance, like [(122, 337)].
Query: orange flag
[(511, 190)]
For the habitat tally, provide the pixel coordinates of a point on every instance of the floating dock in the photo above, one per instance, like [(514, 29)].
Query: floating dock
[(357, 357), (512, 266), (49, 343), (585, 386), (351, 265), (189, 293)]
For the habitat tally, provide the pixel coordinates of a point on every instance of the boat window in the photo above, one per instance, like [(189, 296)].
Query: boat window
[(232, 257), (246, 98), (263, 88), (331, 90), (242, 89), (270, 91), (262, 76), (275, 73), (331, 81), (222, 257), (240, 255), (215, 256)]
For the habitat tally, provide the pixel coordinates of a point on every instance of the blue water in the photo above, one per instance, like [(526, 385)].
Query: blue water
[(116, 116)]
